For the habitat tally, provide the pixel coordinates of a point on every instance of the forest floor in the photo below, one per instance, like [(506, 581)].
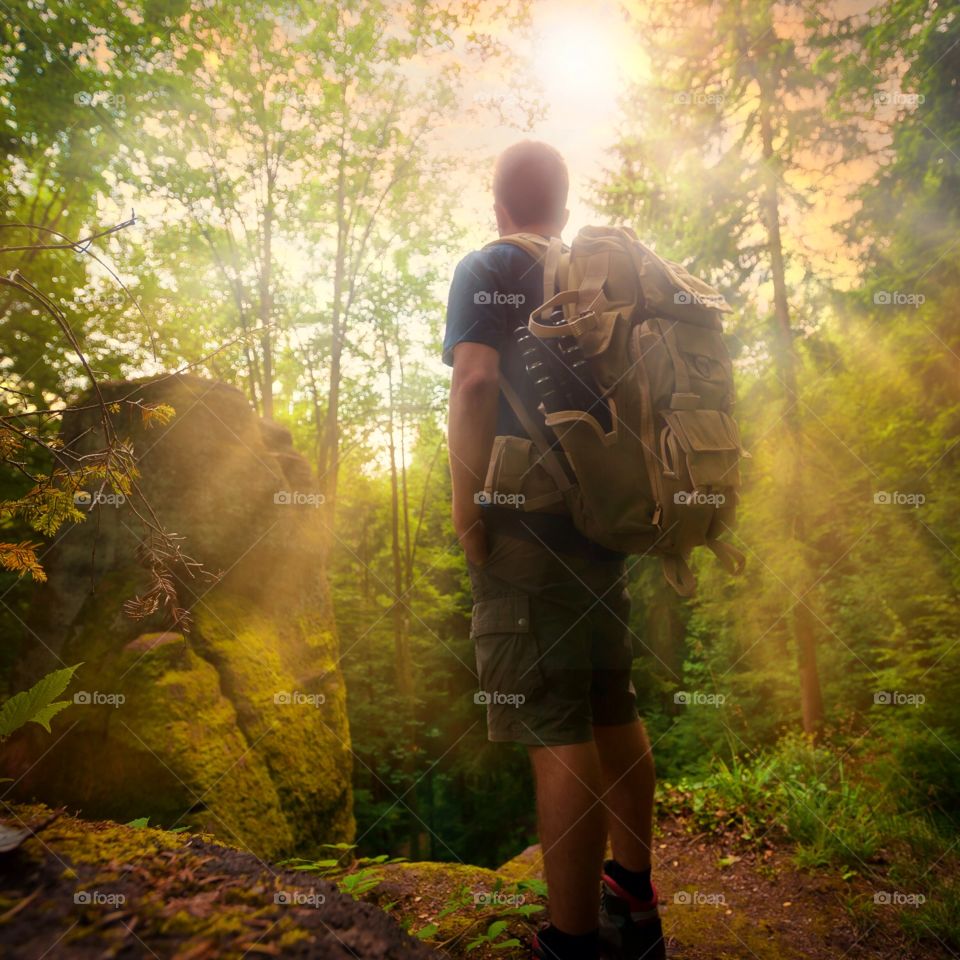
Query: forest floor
[(79, 889), (721, 901)]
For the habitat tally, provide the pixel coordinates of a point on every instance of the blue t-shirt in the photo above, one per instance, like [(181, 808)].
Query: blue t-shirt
[(494, 291)]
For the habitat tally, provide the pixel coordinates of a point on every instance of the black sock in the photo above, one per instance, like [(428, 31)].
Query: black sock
[(635, 882), (557, 945)]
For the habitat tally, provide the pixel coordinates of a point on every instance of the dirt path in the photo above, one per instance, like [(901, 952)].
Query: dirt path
[(725, 903), (720, 903)]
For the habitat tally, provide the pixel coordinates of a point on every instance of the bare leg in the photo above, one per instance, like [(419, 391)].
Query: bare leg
[(572, 832), (628, 777)]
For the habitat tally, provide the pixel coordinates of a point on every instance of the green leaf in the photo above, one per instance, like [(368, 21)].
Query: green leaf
[(140, 822), (505, 944), (496, 928), (535, 885), (38, 704), (425, 933)]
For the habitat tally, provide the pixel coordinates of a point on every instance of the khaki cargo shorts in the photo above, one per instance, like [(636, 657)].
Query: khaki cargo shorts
[(552, 644)]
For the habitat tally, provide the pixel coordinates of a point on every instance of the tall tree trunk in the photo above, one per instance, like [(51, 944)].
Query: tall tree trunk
[(266, 304), (329, 460), (403, 666), (407, 545), (811, 700)]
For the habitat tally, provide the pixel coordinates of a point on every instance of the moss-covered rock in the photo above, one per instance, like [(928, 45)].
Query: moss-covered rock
[(238, 727), (83, 889)]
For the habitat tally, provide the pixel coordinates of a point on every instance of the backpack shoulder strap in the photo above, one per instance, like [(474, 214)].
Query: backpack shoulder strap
[(550, 252), (548, 457), (551, 268)]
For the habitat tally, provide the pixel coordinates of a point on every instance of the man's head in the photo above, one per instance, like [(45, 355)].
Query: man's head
[(530, 184)]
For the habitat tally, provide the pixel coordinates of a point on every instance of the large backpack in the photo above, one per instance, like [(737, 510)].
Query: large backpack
[(658, 472)]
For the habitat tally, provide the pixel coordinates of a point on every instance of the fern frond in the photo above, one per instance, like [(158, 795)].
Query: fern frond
[(22, 558), (153, 414)]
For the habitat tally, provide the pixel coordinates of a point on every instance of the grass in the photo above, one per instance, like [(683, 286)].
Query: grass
[(838, 819)]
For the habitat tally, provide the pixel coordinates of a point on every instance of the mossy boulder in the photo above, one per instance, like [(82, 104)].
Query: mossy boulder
[(80, 889), (236, 723)]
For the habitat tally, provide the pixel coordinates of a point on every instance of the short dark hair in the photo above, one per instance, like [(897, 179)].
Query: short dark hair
[(531, 182)]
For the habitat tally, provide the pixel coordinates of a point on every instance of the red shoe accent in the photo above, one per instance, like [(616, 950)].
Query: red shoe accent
[(640, 910)]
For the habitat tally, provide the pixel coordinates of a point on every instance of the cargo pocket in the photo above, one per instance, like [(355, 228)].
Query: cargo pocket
[(508, 660), (702, 447)]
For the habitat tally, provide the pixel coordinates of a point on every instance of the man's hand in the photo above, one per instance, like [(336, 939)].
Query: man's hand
[(472, 425), (473, 539)]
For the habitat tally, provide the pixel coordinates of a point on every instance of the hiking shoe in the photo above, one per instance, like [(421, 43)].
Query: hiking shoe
[(630, 929), (540, 951)]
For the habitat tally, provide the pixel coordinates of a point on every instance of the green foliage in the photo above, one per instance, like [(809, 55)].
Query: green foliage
[(39, 704), (353, 876), (492, 938), (490, 922), (843, 811)]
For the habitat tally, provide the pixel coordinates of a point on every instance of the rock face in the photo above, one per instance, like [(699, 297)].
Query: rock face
[(238, 727)]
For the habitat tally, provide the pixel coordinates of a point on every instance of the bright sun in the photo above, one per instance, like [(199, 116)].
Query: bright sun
[(578, 63)]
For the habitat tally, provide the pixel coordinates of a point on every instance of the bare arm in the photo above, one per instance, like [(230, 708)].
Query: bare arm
[(471, 427)]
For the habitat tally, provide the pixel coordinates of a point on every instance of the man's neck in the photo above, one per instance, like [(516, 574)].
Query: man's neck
[(542, 230)]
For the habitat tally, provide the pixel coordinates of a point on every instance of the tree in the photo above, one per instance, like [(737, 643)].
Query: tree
[(714, 162)]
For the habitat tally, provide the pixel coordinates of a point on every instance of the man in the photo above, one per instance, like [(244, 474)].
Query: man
[(550, 607)]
